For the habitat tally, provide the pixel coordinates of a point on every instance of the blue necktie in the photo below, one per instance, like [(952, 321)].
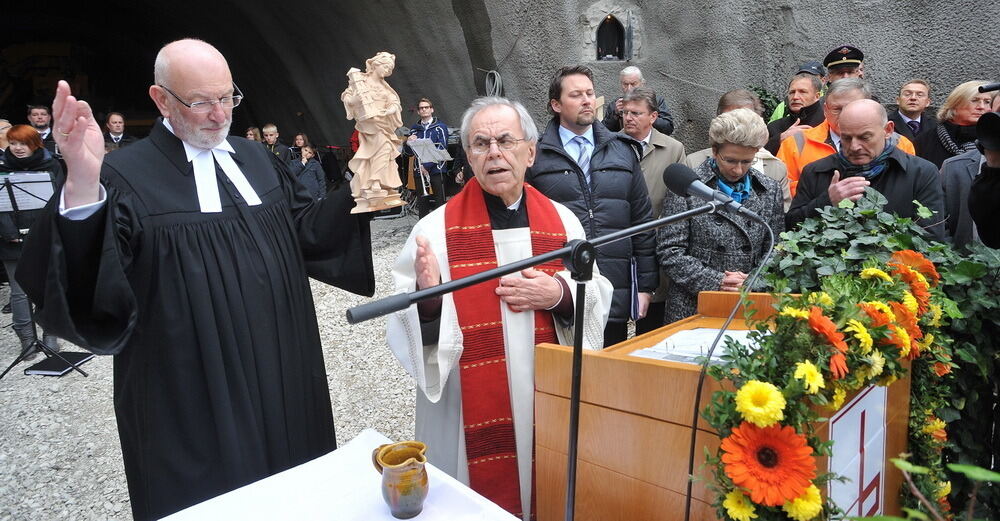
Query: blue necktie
[(914, 126), (583, 159)]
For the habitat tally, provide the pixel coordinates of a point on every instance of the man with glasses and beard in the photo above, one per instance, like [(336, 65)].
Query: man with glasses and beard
[(187, 256)]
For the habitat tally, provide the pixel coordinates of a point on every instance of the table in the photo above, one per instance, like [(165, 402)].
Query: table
[(341, 485)]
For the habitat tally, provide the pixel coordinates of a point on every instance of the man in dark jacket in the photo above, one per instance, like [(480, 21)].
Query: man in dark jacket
[(596, 174), (273, 145), (805, 110), (429, 127), (115, 125), (910, 119), (986, 186), (869, 157), (631, 77)]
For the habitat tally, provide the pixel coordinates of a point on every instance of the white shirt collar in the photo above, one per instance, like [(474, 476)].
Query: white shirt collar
[(516, 204), (204, 173)]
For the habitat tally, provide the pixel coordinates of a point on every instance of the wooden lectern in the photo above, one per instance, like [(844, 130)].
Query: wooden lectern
[(635, 417)]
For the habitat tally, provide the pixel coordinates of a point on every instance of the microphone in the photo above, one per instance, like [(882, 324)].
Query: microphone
[(683, 181), (989, 87)]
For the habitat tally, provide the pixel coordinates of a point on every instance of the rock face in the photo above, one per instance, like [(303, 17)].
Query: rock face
[(291, 64)]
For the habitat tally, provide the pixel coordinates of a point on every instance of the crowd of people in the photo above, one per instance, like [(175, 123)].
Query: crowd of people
[(195, 278)]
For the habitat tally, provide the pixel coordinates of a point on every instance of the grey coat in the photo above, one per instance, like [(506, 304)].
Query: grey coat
[(957, 174), (695, 253)]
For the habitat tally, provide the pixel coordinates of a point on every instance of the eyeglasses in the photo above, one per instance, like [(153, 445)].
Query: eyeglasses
[(424, 107), (736, 162), (203, 107), (482, 145), (633, 114)]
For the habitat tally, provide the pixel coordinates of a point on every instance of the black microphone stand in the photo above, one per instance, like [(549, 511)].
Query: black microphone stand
[(578, 256)]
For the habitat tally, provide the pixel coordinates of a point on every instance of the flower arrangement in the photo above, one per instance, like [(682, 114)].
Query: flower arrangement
[(858, 330)]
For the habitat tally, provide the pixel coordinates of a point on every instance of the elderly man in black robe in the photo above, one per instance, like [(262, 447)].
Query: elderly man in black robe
[(187, 257)]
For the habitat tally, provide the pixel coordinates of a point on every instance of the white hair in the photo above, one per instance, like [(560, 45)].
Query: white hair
[(528, 127), (742, 127), (631, 70)]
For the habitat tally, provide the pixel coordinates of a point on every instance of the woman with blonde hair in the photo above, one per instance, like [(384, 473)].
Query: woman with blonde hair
[(956, 132), (716, 251), (253, 134)]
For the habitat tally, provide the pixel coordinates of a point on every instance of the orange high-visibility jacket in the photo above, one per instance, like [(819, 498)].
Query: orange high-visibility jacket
[(810, 145)]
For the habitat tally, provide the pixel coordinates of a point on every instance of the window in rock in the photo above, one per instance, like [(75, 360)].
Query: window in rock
[(610, 39)]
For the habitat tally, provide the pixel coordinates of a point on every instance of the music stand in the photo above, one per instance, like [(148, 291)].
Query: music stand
[(27, 193)]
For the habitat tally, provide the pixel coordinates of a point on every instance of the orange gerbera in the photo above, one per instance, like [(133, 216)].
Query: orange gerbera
[(918, 285), (941, 368), (838, 366), (878, 317), (824, 327), (908, 321), (918, 262), (775, 464)]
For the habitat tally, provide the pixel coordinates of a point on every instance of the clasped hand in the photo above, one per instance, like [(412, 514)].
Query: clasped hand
[(532, 290)]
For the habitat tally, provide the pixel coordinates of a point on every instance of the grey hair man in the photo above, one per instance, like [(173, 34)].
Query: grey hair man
[(630, 78), (658, 151), (496, 218), (201, 292), (869, 158)]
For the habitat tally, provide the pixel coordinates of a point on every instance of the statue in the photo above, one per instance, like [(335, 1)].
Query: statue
[(374, 106)]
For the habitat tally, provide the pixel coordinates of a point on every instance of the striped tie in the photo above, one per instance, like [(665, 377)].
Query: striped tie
[(583, 159)]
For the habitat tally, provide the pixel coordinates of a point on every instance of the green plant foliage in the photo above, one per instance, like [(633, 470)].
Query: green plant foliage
[(767, 98), (845, 237)]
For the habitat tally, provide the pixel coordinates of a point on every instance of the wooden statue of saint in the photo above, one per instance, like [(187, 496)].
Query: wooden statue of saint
[(375, 108)]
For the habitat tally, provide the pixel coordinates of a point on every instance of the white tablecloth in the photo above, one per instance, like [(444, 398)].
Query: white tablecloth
[(342, 485)]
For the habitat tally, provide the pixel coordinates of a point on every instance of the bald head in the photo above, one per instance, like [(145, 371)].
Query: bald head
[(864, 131), (187, 57), (191, 72)]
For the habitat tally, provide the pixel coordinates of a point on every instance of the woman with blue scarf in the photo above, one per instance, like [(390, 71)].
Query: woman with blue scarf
[(716, 251)]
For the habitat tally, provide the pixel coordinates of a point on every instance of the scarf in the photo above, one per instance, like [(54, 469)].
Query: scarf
[(870, 170), (36, 162), (945, 131), (486, 409), (738, 191)]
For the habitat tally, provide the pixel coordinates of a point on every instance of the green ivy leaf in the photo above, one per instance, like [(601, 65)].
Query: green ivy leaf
[(915, 514), (902, 464), (974, 472)]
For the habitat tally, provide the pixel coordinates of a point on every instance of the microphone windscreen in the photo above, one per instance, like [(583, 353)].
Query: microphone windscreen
[(678, 177)]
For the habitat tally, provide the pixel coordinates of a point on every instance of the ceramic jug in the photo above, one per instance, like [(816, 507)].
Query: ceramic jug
[(404, 478)]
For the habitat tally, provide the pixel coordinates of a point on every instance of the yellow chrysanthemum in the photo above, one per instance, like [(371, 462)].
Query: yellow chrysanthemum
[(861, 333), (910, 302), (936, 313), (789, 311), (904, 340), (760, 403), (934, 425), (739, 507), (884, 308), (878, 364), (875, 273), (839, 394), (805, 507), (944, 489), (810, 374), (926, 342), (821, 298)]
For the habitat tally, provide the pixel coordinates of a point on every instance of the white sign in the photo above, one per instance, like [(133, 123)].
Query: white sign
[(858, 434)]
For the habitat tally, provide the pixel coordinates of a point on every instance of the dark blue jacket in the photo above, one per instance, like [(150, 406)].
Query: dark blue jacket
[(615, 199), (437, 132)]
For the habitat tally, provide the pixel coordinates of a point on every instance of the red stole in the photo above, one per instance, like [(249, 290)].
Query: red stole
[(489, 425)]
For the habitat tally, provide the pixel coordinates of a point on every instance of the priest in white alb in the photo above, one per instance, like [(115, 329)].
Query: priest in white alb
[(472, 352)]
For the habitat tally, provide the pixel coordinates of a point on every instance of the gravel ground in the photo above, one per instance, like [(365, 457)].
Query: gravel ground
[(59, 451)]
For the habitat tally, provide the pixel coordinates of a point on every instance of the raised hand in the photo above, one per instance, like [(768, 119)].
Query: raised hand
[(794, 129), (426, 265), (533, 290), (850, 188), (81, 144)]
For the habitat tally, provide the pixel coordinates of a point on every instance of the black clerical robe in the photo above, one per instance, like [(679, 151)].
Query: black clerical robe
[(219, 378)]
